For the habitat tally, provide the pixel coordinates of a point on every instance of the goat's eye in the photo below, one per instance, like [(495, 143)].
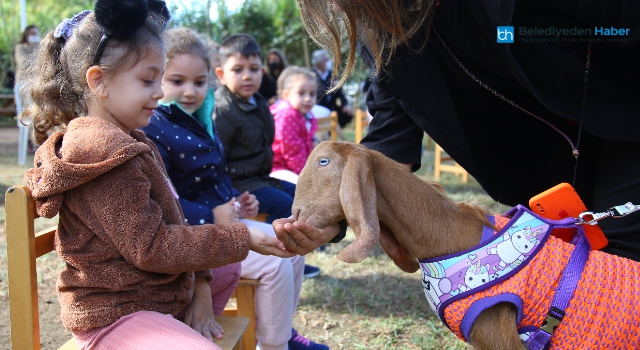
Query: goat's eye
[(324, 161)]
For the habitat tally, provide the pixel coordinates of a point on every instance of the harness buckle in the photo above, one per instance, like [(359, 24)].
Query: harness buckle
[(553, 319), (619, 211)]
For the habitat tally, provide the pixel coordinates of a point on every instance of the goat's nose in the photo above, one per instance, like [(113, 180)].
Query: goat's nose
[(296, 214)]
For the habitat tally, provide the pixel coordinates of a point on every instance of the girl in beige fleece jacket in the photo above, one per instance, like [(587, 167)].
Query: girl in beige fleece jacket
[(134, 269)]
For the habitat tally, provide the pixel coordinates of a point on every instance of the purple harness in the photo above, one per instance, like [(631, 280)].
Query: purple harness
[(498, 257)]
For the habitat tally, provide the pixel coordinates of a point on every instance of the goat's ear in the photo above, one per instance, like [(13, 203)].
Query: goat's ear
[(358, 199)]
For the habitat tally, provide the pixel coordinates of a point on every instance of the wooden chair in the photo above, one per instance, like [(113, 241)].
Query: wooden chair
[(439, 167), (259, 217), (245, 308), (362, 121), (328, 124), (23, 247)]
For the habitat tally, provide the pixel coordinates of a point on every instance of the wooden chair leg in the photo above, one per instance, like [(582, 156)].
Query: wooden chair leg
[(245, 297), (437, 162)]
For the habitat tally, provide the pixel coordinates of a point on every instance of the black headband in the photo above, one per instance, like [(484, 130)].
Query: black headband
[(122, 18)]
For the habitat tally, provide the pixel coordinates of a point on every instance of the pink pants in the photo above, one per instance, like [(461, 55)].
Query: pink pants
[(152, 330), (277, 294)]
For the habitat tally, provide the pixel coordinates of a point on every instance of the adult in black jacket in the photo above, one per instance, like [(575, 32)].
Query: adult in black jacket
[(426, 85), (274, 64)]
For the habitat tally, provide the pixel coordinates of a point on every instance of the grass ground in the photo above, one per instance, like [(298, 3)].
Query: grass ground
[(370, 305)]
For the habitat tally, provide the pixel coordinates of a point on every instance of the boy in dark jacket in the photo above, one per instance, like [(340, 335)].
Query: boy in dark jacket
[(246, 129), (245, 126)]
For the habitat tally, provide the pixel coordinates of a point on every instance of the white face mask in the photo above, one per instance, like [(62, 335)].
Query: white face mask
[(33, 39), (329, 65)]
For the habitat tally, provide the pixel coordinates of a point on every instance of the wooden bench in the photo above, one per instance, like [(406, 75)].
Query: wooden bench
[(24, 246), (440, 167), (362, 120), (245, 307), (328, 124), (7, 105)]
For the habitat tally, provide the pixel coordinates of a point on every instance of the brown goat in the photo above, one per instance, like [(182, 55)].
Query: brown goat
[(346, 180)]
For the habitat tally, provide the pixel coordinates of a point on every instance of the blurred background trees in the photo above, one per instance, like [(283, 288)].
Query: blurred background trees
[(274, 23)]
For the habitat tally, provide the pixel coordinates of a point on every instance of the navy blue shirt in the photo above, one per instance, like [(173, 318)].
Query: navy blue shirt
[(194, 158)]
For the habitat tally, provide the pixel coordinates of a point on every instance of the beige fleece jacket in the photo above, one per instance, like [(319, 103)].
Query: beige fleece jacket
[(121, 233)]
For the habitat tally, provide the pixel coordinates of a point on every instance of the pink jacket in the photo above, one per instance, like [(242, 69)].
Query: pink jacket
[(293, 143)]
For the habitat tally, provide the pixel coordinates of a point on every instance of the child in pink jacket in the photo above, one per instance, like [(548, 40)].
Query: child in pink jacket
[(294, 122)]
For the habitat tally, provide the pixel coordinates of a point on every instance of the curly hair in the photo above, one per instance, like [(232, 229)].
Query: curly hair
[(380, 25), (56, 89)]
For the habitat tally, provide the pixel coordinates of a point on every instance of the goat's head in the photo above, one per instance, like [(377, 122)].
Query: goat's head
[(337, 183)]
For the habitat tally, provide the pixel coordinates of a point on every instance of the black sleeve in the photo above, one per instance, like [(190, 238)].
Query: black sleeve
[(392, 131), (342, 233)]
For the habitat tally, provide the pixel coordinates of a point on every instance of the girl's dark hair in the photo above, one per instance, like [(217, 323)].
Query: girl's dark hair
[(25, 34), (381, 25), (56, 90), (184, 40)]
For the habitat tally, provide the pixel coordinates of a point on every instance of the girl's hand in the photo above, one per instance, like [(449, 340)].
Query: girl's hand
[(225, 213), (199, 313), (266, 245), (248, 205), (302, 238)]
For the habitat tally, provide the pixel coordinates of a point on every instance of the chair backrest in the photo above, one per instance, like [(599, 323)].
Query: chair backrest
[(23, 247), (329, 124), (362, 121)]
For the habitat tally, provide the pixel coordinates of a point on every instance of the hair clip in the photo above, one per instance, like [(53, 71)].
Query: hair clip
[(100, 50), (65, 28)]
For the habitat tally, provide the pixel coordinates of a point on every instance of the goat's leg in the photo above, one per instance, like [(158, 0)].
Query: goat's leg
[(495, 329)]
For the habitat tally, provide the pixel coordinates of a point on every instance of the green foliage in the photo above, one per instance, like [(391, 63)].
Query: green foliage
[(45, 14), (273, 23)]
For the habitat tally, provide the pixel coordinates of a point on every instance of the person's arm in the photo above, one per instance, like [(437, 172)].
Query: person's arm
[(199, 312), (20, 56), (225, 128), (135, 225), (392, 131), (346, 108), (289, 139), (194, 213)]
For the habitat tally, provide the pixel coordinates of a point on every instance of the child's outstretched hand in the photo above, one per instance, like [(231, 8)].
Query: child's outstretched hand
[(248, 205), (225, 213), (266, 245), (199, 313)]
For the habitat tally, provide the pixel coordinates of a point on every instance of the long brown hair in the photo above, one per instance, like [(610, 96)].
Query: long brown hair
[(381, 25), (25, 34), (56, 89)]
